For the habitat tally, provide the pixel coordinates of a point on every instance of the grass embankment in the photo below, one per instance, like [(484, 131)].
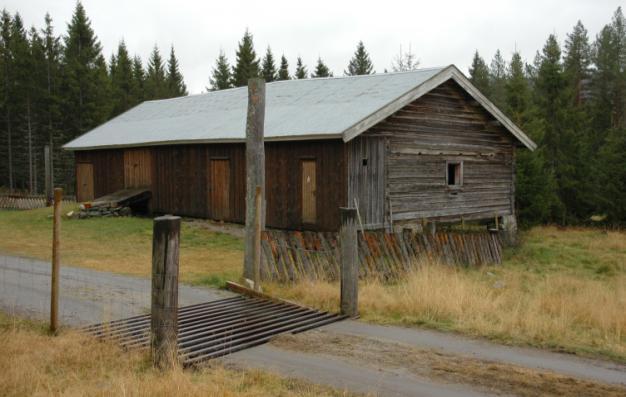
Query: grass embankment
[(120, 245), (562, 289), (34, 363)]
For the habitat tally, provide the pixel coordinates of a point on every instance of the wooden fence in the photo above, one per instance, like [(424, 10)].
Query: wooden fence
[(289, 255), (16, 202)]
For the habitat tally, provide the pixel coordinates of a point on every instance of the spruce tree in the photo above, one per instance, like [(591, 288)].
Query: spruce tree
[(7, 95), (551, 101), (137, 82), (283, 71), (246, 62), (497, 75), (301, 72), (220, 75), (155, 83), (174, 79), (52, 97), (360, 62), (534, 191), (479, 74), (22, 104), (269, 67), (84, 90), (577, 61), (121, 80), (321, 70)]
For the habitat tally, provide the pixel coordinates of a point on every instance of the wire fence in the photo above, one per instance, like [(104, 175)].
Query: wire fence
[(28, 202)]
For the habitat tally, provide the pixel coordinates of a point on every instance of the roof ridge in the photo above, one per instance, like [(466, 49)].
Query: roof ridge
[(373, 75)]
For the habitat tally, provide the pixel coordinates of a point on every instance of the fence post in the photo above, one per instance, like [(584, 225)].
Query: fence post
[(164, 313), (258, 203), (56, 259), (255, 170), (349, 262), (48, 174)]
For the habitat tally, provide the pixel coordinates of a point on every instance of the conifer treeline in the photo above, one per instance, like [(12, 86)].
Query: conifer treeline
[(54, 88), (572, 102)]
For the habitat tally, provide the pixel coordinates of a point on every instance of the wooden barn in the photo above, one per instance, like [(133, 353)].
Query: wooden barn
[(402, 147)]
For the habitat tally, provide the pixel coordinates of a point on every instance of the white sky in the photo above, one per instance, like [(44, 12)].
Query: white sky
[(440, 32)]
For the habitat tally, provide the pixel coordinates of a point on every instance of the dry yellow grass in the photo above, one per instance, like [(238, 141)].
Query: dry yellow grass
[(35, 364), (555, 311)]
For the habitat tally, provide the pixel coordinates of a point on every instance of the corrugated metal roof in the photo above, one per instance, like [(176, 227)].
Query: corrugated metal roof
[(295, 109)]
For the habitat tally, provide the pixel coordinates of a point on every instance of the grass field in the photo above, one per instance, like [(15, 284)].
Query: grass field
[(33, 363), (563, 289), (120, 245)]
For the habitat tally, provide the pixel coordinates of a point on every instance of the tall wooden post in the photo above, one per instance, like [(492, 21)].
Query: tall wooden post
[(47, 159), (349, 262), (258, 203), (164, 320), (56, 261), (255, 171)]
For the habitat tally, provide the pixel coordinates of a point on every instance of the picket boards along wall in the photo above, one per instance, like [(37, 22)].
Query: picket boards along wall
[(294, 255)]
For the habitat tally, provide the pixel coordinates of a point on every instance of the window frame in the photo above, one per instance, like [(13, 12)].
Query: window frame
[(458, 185)]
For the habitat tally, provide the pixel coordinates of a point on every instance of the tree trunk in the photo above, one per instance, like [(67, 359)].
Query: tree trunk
[(31, 184)]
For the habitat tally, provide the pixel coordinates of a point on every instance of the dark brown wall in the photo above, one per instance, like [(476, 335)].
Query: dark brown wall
[(181, 180), (283, 176), (108, 169), (446, 125)]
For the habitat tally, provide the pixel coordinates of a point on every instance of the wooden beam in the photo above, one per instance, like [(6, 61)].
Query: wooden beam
[(255, 170), (349, 262), (164, 309), (47, 159), (56, 261)]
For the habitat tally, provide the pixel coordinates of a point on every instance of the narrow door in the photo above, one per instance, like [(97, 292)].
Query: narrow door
[(309, 187), (220, 189), (84, 182), (137, 168)]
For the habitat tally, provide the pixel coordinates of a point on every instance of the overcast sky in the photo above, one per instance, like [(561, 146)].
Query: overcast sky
[(439, 32)]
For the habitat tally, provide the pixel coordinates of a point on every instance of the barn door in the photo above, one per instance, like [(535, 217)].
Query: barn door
[(137, 168), (309, 187), (84, 182), (220, 189)]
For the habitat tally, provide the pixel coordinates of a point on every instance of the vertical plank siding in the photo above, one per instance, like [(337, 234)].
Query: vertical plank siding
[(284, 183), (108, 170), (137, 168), (182, 180), (446, 125), (366, 179)]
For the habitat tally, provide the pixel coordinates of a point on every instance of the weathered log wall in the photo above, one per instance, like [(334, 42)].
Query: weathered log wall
[(446, 125)]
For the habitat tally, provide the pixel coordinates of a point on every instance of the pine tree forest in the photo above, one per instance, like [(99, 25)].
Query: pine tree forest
[(570, 98)]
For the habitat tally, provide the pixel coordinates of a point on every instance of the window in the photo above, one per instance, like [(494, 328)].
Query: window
[(364, 162), (454, 173)]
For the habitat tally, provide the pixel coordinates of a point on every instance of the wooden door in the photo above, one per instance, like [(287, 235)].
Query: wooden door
[(219, 184), (137, 168), (309, 187), (84, 182)]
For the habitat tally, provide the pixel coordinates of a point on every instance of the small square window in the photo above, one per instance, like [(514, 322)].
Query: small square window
[(454, 173), (364, 162)]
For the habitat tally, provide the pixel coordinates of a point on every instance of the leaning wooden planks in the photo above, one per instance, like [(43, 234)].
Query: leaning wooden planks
[(295, 255)]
